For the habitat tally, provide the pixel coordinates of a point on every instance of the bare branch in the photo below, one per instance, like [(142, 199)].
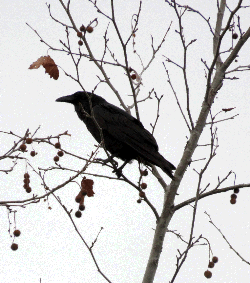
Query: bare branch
[(91, 55), (224, 237), (210, 193), (177, 100), (83, 240)]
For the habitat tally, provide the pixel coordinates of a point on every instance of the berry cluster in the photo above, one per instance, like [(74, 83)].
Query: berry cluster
[(23, 146), (86, 190), (57, 145), (88, 29), (14, 246), (143, 186), (234, 196), (26, 182), (208, 273), (80, 199), (60, 153)]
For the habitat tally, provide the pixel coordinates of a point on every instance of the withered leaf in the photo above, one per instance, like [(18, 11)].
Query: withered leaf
[(227, 109), (87, 185), (49, 65)]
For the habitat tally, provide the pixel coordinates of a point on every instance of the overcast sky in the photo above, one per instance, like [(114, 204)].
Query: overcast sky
[(49, 247)]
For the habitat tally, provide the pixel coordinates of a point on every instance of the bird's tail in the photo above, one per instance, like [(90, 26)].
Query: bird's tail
[(164, 164), (167, 167)]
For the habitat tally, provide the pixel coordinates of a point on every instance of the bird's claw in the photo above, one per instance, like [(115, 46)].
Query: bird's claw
[(118, 172), (105, 161)]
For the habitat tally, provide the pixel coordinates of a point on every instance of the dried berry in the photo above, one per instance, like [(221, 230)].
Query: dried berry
[(235, 36), (233, 201), (78, 214), (144, 172), (80, 43), (211, 264), (234, 196), (14, 247), (84, 193), (17, 233), (215, 259), (60, 153), (28, 190), (236, 191), (57, 145), (79, 34), (78, 199), (23, 147), (81, 207), (133, 77), (141, 194), (139, 201), (82, 28), (89, 29), (29, 140), (144, 186), (56, 158), (26, 181), (208, 274), (26, 175), (32, 153)]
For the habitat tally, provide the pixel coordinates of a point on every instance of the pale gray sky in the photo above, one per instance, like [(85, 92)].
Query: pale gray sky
[(49, 247)]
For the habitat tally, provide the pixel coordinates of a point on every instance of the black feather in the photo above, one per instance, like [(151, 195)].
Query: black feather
[(124, 136)]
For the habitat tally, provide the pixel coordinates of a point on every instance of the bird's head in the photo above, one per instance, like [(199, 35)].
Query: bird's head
[(79, 96), (82, 97)]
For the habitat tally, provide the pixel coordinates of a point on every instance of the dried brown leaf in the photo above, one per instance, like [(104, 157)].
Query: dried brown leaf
[(227, 109), (49, 65), (87, 186)]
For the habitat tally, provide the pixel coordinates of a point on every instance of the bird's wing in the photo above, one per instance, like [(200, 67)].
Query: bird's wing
[(124, 128)]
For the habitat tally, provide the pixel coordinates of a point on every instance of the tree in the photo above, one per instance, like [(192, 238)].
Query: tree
[(112, 45)]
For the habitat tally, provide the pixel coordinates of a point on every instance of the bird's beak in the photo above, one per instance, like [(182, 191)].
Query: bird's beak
[(67, 98)]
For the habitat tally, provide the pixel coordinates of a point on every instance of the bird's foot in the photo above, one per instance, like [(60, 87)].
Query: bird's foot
[(118, 172), (107, 160)]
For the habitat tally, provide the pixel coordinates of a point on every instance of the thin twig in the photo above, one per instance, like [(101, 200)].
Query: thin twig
[(224, 237)]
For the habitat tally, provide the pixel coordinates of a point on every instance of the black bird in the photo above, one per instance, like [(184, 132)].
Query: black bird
[(124, 136)]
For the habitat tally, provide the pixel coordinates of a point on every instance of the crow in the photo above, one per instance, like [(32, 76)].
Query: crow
[(124, 136)]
